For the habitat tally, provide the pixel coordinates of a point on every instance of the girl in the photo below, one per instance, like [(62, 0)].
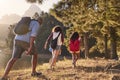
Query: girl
[(74, 47), (56, 32)]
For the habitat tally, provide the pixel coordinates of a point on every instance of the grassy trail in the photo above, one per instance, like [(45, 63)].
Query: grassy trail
[(90, 69)]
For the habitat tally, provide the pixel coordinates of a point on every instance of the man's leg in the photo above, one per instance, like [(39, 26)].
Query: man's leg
[(34, 63), (9, 66)]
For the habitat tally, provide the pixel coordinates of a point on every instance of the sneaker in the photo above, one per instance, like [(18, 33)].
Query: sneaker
[(74, 65), (36, 74)]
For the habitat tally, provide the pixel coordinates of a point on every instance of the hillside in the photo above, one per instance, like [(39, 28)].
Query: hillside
[(90, 69), (3, 31), (10, 19)]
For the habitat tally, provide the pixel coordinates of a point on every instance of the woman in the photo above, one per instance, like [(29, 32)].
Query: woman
[(56, 32), (74, 47)]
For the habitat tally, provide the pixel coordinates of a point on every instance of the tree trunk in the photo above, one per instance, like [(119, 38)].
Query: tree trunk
[(113, 43), (113, 50), (86, 45), (106, 47)]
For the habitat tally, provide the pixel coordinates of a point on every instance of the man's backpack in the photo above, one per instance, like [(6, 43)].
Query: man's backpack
[(53, 43), (22, 27), (74, 45)]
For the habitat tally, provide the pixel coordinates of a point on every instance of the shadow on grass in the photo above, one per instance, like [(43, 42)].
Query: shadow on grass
[(91, 69)]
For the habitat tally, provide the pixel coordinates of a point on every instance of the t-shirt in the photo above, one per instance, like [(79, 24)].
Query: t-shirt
[(74, 45), (55, 34), (34, 26)]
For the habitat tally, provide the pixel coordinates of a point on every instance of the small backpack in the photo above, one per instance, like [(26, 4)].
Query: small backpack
[(74, 45), (53, 43), (22, 27)]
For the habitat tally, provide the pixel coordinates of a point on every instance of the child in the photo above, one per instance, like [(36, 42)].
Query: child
[(56, 32), (74, 47)]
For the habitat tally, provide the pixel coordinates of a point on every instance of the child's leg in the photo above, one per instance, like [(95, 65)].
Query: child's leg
[(73, 60), (50, 60), (54, 58), (59, 52), (77, 56)]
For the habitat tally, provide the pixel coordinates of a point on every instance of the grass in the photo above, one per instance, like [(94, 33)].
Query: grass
[(87, 69), (90, 69)]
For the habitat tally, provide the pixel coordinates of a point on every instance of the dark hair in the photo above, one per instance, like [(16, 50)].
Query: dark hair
[(57, 29), (74, 36), (40, 20)]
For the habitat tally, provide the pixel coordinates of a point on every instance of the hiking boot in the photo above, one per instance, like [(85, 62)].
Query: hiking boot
[(36, 74)]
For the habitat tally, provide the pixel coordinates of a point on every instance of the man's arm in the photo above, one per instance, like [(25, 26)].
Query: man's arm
[(32, 39)]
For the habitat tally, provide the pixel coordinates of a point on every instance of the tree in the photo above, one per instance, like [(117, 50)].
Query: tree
[(90, 16), (35, 1), (10, 37), (94, 18), (77, 14), (110, 13)]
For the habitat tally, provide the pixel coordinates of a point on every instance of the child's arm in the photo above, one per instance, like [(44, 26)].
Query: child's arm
[(48, 39)]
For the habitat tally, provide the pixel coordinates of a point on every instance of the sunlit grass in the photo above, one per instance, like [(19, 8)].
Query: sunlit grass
[(90, 69)]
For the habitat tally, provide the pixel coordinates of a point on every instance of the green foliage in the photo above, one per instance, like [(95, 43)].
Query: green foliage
[(90, 16), (35, 1)]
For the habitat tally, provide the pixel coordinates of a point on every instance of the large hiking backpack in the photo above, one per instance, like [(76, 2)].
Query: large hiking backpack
[(74, 45), (22, 27)]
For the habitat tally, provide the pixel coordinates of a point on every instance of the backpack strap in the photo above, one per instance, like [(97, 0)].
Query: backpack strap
[(58, 35), (34, 20)]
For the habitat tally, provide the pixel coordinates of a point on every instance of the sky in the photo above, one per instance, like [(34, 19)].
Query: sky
[(8, 7)]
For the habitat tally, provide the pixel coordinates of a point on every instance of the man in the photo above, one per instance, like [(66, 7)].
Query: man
[(25, 43)]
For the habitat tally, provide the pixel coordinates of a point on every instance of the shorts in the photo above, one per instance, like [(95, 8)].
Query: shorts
[(74, 52), (20, 47), (58, 47)]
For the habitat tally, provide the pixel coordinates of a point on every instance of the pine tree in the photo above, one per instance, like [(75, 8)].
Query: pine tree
[(93, 17), (111, 21), (35, 1), (96, 18)]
